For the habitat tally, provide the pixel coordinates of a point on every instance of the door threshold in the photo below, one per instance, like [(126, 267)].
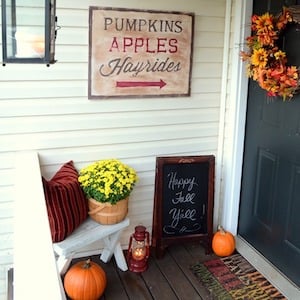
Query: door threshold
[(279, 280)]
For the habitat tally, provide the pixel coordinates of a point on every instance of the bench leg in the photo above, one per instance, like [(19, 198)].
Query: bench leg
[(120, 259), (113, 247), (63, 264)]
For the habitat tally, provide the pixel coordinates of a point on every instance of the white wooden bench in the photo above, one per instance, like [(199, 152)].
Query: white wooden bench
[(87, 233)]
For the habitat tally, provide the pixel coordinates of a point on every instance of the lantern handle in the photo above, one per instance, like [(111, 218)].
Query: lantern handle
[(147, 246)]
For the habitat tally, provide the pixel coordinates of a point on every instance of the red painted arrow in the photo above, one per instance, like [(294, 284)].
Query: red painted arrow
[(124, 84)]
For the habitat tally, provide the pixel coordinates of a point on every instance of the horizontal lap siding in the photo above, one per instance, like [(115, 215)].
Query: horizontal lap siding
[(46, 109)]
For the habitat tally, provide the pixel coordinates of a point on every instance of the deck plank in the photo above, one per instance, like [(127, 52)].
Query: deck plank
[(185, 260), (114, 288), (167, 278), (157, 283), (135, 286), (176, 278)]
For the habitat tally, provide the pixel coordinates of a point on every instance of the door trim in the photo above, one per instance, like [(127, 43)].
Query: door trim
[(279, 280), (238, 106)]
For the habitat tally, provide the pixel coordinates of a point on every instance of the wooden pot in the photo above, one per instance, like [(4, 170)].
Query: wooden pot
[(106, 213)]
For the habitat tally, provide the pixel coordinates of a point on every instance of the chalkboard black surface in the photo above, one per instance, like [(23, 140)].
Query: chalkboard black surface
[(183, 201)]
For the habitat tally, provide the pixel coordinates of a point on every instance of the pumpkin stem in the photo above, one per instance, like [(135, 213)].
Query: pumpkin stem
[(221, 229), (87, 264)]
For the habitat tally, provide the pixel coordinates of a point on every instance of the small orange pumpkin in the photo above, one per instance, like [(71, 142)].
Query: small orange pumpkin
[(223, 242), (85, 280)]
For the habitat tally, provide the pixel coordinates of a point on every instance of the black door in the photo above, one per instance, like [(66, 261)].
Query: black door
[(269, 217)]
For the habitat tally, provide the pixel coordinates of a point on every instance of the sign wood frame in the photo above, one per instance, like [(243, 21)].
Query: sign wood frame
[(134, 53), (183, 201)]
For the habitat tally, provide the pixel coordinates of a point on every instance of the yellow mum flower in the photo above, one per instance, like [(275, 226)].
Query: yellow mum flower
[(107, 180)]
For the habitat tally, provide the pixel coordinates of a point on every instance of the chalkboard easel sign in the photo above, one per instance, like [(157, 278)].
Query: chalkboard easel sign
[(183, 201)]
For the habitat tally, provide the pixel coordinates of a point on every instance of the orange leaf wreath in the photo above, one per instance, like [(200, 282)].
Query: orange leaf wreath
[(266, 62)]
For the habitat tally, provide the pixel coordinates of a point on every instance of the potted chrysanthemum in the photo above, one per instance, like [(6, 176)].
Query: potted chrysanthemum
[(107, 184)]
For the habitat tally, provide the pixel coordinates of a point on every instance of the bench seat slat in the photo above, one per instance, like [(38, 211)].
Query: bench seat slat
[(87, 233)]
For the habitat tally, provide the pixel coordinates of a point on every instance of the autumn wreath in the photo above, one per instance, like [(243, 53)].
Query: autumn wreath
[(266, 62)]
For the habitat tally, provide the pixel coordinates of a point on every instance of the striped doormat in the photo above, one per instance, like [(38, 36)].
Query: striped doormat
[(233, 277)]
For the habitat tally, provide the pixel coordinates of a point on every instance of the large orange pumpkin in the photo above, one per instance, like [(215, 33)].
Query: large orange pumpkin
[(85, 280), (223, 242)]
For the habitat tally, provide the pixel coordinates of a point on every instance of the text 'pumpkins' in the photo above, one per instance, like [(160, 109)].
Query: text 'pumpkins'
[(223, 242), (85, 280)]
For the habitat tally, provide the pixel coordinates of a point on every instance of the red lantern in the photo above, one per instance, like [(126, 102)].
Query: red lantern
[(138, 250)]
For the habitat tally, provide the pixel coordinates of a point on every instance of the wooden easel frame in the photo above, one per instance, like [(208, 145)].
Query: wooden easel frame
[(159, 241)]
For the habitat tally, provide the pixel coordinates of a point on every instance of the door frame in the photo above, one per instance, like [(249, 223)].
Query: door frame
[(238, 106), (234, 161)]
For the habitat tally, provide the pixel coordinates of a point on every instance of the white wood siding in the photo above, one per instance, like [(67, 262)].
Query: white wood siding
[(47, 109)]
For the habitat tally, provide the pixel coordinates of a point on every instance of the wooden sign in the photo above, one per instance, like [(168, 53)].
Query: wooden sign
[(136, 53), (183, 201)]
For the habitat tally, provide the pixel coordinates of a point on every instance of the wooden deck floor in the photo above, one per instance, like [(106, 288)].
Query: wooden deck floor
[(166, 279)]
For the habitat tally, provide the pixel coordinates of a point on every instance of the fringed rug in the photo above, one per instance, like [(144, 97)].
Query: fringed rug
[(235, 278)]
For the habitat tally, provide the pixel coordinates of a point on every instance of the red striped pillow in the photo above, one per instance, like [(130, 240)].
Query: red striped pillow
[(66, 204)]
